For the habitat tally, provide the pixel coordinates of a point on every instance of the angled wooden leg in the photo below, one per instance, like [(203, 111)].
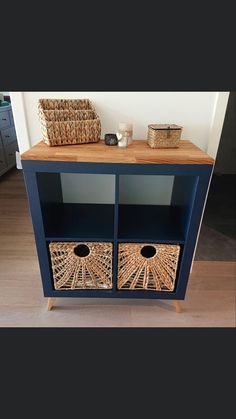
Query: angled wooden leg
[(177, 306), (50, 303)]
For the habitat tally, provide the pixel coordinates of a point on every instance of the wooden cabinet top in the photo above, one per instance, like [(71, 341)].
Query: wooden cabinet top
[(137, 153)]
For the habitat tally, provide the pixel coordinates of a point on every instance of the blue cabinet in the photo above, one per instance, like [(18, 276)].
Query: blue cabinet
[(116, 221)]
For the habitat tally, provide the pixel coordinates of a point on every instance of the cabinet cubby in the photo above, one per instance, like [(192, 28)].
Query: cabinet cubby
[(69, 216), (162, 211), (65, 221)]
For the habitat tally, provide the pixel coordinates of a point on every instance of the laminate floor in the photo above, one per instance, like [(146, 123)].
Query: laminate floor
[(210, 299)]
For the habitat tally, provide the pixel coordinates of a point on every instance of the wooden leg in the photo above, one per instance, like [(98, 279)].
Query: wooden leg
[(50, 303), (177, 306)]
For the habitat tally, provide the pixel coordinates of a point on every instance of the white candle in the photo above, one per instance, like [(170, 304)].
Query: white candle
[(126, 130)]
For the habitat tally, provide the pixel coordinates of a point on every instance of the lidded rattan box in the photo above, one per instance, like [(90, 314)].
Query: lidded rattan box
[(164, 135), (147, 266), (68, 121), (80, 265)]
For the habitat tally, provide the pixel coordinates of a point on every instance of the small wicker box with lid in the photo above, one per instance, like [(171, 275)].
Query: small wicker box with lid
[(164, 135), (68, 121)]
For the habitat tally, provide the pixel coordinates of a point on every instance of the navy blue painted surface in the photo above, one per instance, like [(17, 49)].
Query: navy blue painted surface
[(49, 187), (78, 221), (115, 294), (149, 223), (115, 168), (177, 223), (116, 224), (192, 230), (183, 196), (37, 220)]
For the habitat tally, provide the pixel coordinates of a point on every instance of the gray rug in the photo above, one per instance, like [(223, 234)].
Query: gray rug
[(213, 245)]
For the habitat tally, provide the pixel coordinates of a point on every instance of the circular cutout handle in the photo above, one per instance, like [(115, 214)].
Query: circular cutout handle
[(148, 251), (82, 250)]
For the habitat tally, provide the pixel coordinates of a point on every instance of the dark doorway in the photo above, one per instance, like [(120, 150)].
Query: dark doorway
[(217, 239)]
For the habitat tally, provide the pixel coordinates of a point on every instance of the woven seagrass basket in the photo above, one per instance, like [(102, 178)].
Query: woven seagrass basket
[(66, 122), (77, 265), (150, 267), (164, 135)]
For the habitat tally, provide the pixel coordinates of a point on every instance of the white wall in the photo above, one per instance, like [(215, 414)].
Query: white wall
[(20, 120), (87, 188), (217, 123), (193, 110)]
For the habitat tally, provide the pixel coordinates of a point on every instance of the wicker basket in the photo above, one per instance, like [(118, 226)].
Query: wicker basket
[(66, 122), (164, 135), (147, 266), (77, 265)]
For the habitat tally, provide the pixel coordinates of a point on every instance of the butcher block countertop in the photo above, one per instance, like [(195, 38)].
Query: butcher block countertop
[(137, 153)]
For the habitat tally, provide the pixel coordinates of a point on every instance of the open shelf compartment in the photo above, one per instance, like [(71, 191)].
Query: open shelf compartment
[(66, 221), (155, 208), (77, 206), (155, 223)]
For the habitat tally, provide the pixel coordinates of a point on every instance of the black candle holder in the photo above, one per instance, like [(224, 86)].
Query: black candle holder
[(111, 139)]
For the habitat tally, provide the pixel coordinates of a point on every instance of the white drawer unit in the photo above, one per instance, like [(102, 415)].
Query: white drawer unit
[(8, 140)]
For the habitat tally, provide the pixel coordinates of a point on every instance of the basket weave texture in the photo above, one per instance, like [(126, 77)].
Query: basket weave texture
[(164, 135), (66, 122), (156, 273), (71, 271)]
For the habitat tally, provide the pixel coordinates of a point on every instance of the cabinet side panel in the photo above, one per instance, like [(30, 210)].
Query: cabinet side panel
[(183, 196), (116, 226), (37, 220), (192, 223)]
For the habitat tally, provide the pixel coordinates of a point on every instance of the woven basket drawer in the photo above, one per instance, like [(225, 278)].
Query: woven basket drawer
[(79, 265), (147, 266), (65, 122)]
